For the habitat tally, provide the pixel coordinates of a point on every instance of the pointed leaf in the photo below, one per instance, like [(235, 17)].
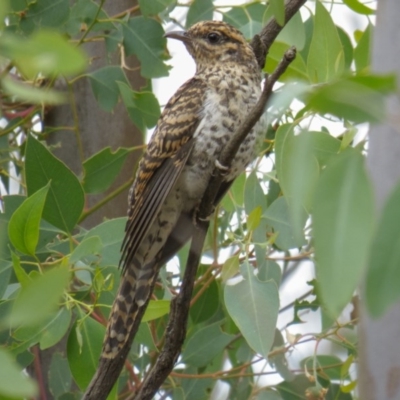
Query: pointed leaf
[(325, 57), (104, 85), (65, 199), (143, 107), (343, 217), (298, 172), (278, 10), (253, 306), (296, 70), (88, 246), (111, 234), (200, 10), (145, 38), (83, 350), (205, 344), (362, 53), (358, 7), (23, 229), (102, 168), (23, 278), (278, 217), (247, 18)]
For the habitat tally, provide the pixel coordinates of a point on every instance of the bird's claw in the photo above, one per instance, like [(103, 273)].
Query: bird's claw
[(223, 168), (197, 219)]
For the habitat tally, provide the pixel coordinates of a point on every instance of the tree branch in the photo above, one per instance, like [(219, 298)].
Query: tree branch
[(176, 329), (109, 370)]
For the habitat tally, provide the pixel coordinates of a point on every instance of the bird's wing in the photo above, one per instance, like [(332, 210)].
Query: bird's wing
[(162, 164)]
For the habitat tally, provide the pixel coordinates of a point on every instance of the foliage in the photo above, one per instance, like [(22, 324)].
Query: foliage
[(306, 200)]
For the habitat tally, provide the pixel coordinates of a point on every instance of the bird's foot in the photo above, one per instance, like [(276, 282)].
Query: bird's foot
[(222, 168), (197, 219)]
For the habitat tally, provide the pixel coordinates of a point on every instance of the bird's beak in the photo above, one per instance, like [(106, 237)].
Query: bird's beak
[(178, 35)]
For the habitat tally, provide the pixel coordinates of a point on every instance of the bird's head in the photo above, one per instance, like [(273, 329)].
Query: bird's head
[(215, 42)]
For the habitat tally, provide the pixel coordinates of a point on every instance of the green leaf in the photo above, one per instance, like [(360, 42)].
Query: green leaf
[(145, 38), (104, 85), (31, 94), (325, 57), (153, 7), (83, 350), (5, 274), (60, 378), (293, 33), (324, 146), (248, 18), (65, 199), (142, 107), (156, 309), (13, 382), (253, 194), (45, 13), (298, 172), (296, 70), (294, 389), (383, 277), (230, 268), (235, 195), (343, 217), (23, 278), (102, 168), (362, 53), (253, 306), (45, 52), (36, 301), (327, 366), (278, 10), (351, 98), (278, 217), (23, 229), (86, 13), (47, 333), (205, 344), (111, 234), (358, 7), (88, 246), (347, 47), (254, 219), (199, 10), (206, 305)]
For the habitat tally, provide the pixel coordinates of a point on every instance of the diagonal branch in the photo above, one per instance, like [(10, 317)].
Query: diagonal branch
[(176, 329)]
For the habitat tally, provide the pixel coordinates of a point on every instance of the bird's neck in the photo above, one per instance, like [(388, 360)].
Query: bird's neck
[(229, 73)]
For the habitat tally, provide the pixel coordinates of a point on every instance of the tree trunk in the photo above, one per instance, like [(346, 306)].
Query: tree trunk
[(98, 129), (379, 338)]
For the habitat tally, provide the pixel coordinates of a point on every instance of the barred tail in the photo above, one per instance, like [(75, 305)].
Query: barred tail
[(133, 293)]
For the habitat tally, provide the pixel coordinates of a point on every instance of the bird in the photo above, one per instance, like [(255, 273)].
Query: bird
[(173, 174)]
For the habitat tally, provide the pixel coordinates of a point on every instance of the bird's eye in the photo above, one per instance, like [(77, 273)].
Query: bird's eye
[(213, 37)]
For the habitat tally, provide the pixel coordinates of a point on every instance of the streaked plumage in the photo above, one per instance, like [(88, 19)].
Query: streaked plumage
[(176, 168)]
